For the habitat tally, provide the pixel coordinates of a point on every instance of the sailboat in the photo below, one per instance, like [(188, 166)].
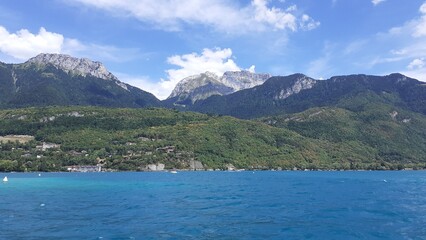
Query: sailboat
[(5, 179)]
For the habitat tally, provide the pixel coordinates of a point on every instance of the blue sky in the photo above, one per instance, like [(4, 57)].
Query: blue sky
[(154, 44)]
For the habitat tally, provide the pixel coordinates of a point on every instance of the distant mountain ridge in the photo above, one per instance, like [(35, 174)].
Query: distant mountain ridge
[(204, 85), (58, 79), (297, 92)]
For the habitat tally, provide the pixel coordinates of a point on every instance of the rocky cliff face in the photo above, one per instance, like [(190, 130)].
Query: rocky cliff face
[(300, 84), (77, 66), (239, 80), (201, 86), (72, 65)]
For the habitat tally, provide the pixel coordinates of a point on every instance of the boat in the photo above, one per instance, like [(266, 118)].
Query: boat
[(5, 179), (173, 171)]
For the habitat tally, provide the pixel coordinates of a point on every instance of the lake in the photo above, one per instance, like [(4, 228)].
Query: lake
[(214, 205)]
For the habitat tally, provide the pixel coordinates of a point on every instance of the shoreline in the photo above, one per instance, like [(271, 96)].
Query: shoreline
[(239, 170)]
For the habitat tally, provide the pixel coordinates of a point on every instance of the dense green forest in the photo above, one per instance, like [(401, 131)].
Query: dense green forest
[(51, 138)]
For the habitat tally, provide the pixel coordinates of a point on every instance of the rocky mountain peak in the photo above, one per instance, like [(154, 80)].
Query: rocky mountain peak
[(189, 84), (204, 85), (69, 64)]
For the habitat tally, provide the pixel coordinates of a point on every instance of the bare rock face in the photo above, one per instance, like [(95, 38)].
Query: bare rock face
[(239, 80), (301, 84), (200, 86), (79, 66), (204, 85)]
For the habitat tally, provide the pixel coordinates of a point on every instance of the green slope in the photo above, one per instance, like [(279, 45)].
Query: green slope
[(264, 100), (29, 84), (380, 134), (129, 139)]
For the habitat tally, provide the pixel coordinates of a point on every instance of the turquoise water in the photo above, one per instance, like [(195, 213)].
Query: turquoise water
[(214, 205)]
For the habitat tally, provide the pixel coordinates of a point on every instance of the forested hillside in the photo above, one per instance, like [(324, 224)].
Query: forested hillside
[(131, 139)]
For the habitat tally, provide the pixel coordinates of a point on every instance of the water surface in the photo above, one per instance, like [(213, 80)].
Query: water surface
[(212, 205)]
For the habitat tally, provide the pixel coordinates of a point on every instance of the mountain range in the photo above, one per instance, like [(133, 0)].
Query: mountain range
[(297, 92), (57, 79), (350, 122)]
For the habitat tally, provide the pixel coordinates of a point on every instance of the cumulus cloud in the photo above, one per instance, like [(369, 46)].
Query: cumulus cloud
[(416, 69), (224, 15), (416, 63), (377, 2), (274, 17), (24, 44), (214, 60)]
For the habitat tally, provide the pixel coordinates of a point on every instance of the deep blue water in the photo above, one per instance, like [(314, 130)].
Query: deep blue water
[(214, 205)]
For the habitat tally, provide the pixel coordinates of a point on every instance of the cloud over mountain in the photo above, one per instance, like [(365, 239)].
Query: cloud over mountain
[(224, 16)]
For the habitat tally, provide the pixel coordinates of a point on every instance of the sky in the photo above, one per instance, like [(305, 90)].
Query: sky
[(154, 44)]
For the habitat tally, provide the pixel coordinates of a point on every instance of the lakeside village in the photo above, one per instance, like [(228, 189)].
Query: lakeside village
[(28, 155), (24, 148)]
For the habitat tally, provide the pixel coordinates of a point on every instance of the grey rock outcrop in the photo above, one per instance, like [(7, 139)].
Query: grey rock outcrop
[(79, 66), (201, 86), (239, 80), (301, 84), (198, 87)]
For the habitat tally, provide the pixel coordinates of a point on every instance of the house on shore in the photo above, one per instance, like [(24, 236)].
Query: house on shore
[(86, 168)]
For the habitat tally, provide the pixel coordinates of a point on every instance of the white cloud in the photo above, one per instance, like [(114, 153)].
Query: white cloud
[(416, 63), (417, 69), (214, 60), (420, 24), (252, 69), (307, 23), (24, 44), (144, 83), (419, 73), (377, 2), (275, 17), (402, 48), (221, 15), (423, 8)]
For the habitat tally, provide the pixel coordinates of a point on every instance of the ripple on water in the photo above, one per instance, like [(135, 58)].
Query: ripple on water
[(217, 205)]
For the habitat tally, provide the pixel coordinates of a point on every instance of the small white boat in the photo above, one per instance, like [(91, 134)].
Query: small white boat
[(5, 179), (173, 171)]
